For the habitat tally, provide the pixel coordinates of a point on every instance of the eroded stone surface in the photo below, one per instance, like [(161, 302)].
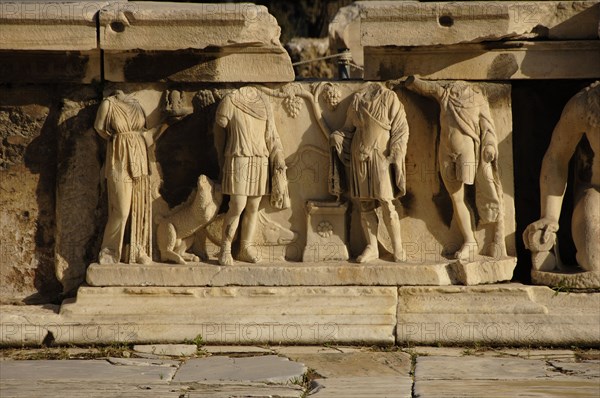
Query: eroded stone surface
[(141, 26), (486, 270), (378, 272), (358, 387), (203, 42), (477, 368), (92, 370), (503, 314), (356, 364), (238, 315), (580, 280), (266, 368), (553, 388), (28, 325), (389, 23), (167, 349), (494, 61), (486, 376), (55, 26)]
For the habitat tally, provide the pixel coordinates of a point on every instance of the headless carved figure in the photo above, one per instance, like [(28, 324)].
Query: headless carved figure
[(580, 116)]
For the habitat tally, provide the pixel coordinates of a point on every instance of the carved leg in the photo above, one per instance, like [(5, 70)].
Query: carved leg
[(456, 189), (249, 252), (119, 206), (184, 246), (201, 239), (368, 221), (172, 257), (230, 224), (166, 238), (585, 227), (392, 222)]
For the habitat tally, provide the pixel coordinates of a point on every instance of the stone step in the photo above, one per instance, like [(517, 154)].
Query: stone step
[(376, 273)]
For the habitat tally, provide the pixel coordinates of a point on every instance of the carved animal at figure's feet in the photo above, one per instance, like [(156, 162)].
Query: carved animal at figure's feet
[(175, 232)]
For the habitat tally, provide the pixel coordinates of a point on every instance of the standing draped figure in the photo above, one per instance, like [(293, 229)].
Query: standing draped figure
[(121, 121), (373, 143)]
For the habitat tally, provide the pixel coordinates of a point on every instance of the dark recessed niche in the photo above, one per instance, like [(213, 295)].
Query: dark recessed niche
[(446, 20), (117, 26)]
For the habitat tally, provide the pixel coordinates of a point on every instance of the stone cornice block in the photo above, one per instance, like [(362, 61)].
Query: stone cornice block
[(157, 26), (49, 26), (572, 59), (149, 41), (409, 23)]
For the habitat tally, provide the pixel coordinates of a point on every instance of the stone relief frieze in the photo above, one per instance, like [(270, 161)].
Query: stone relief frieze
[(310, 172)]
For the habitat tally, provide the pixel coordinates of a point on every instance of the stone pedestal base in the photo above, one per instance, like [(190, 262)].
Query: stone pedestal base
[(504, 314), (236, 315), (325, 232), (326, 273), (579, 280), (497, 315)]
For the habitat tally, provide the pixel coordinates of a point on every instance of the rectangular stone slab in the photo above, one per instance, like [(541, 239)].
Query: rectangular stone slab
[(56, 26), (238, 315), (378, 273), (332, 273), (85, 370), (487, 61), (509, 314), (175, 26), (146, 42), (404, 23)]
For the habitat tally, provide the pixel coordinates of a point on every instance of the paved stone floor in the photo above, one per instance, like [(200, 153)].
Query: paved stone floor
[(300, 371)]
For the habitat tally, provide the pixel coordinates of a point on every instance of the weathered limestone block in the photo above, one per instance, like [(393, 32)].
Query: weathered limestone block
[(49, 42), (475, 376), (484, 271), (488, 61), (392, 23), (202, 42), (232, 315), (567, 280), (497, 314), (324, 273), (54, 26), (29, 325)]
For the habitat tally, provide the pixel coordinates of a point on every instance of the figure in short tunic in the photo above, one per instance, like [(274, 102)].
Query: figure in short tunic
[(376, 133), (250, 152)]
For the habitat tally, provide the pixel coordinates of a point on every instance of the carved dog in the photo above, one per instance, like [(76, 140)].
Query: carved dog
[(175, 232)]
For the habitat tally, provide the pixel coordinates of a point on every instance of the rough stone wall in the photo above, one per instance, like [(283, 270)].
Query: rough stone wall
[(27, 196)]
